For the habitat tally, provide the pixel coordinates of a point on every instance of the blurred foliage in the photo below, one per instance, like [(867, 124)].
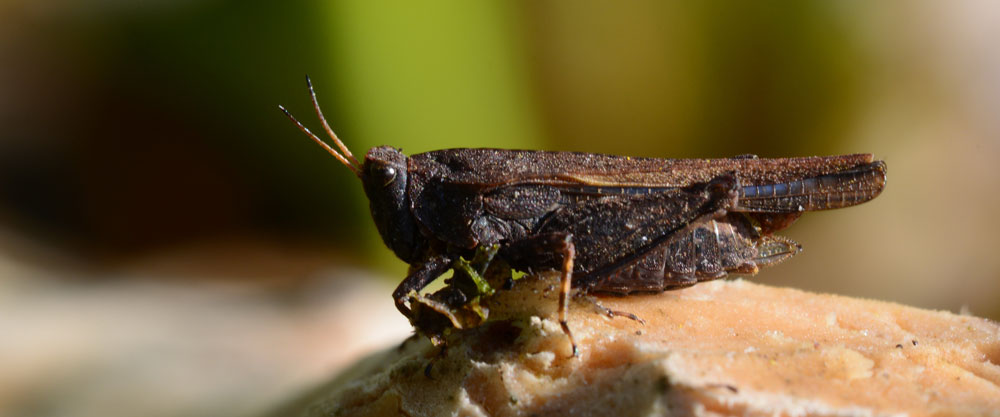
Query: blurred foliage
[(706, 79), (161, 126)]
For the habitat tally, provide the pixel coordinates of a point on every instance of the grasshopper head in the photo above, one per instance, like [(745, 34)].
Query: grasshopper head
[(384, 176)]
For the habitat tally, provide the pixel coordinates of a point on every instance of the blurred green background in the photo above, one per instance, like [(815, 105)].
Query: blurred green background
[(142, 156)]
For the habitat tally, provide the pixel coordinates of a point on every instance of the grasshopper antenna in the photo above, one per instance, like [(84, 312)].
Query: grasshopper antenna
[(349, 161), (326, 126)]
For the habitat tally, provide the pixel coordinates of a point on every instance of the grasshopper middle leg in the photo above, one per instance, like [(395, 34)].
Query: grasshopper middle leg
[(550, 250)]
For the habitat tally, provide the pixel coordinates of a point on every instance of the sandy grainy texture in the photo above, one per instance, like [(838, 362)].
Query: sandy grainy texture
[(715, 349)]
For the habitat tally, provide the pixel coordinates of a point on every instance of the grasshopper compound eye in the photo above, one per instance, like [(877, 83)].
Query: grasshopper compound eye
[(389, 173)]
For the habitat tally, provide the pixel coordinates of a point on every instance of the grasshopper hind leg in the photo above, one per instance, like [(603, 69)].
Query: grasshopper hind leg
[(707, 251), (611, 313)]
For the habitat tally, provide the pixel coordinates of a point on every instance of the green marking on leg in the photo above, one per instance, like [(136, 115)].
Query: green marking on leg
[(482, 287)]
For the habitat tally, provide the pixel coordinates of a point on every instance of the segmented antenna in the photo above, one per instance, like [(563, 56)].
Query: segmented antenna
[(349, 161)]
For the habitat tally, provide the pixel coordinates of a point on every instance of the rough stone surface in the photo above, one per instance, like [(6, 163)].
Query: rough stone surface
[(715, 349)]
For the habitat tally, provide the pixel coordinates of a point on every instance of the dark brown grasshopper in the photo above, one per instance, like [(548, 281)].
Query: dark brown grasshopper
[(610, 224)]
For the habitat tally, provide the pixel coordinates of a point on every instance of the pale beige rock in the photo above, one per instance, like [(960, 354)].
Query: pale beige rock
[(718, 348)]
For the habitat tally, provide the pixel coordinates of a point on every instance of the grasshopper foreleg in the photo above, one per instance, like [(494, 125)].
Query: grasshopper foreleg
[(419, 277)]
